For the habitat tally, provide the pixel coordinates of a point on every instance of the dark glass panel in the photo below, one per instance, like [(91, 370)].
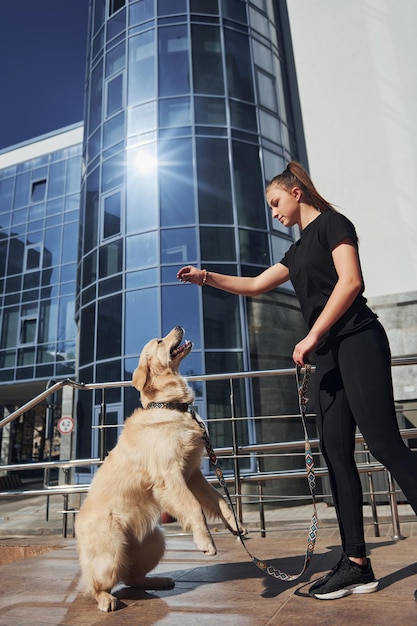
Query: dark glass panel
[(207, 60), (96, 97), (141, 12), (217, 244), (52, 250), (174, 70), (208, 7), (109, 328), (174, 112), (171, 7), (176, 183), (213, 181), (87, 333), (111, 215), (234, 10), (209, 111), (239, 67), (243, 115), (221, 320), (113, 172), (254, 247), (111, 259), (248, 185), (114, 96)]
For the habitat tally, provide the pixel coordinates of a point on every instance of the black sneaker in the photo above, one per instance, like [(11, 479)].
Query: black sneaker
[(345, 578)]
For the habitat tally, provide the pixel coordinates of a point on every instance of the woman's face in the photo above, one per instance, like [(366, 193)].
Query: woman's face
[(285, 205)]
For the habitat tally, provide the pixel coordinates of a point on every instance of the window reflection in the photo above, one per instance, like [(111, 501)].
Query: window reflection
[(141, 11), (141, 67), (176, 183), (248, 185), (239, 67), (174, 112), (173, 66), (179, 304), (178, 245), (207, 60), (209, 111), (142, 319), (221, 320), (142, 251), (253, 247), (115, 94)]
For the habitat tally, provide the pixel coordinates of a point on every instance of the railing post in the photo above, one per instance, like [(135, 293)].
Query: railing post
[(236, 468), (394, 509), (102, 424), (372, 492)]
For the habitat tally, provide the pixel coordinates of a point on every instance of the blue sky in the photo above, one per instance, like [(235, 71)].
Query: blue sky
[(42, 66)]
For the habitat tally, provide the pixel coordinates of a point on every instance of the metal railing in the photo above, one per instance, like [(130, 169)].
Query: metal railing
[(236, 453)]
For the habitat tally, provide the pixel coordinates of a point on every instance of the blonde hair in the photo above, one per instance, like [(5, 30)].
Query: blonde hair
[(295, 176)]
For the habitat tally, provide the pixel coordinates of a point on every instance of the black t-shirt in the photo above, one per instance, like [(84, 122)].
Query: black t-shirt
[(314, 276)]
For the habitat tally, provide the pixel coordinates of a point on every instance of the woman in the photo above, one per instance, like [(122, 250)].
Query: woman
[(353, 361)]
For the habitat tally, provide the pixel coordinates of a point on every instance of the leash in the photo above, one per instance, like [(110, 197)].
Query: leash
[(302, 384)]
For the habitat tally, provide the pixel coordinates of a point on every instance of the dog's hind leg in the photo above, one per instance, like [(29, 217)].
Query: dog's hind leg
[(213, 504), (143, 557)]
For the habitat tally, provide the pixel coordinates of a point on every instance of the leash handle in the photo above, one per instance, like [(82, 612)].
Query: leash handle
[(302, 384)]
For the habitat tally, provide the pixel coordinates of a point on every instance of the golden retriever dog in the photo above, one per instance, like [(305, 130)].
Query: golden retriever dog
[(154, 468)]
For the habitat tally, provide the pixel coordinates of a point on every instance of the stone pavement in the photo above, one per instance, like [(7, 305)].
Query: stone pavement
[(227, 589)]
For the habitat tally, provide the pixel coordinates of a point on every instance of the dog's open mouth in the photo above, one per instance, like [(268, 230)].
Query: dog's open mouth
[(181, 348)]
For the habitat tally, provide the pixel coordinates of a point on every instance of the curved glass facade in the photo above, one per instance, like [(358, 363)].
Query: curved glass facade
[(187, 116)]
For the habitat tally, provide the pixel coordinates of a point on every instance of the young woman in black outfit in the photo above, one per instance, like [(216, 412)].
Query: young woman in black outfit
[(353, 361)]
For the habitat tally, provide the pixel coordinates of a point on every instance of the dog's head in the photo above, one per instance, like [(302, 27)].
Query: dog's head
[(157, 375)]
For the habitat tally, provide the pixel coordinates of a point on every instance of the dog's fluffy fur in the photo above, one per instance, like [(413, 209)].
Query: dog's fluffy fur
[(154, 467)]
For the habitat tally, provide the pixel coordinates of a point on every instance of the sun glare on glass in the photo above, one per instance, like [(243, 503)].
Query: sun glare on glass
[(145, 162)]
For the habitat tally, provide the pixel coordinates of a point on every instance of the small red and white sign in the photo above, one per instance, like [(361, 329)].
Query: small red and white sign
[(65, 425)]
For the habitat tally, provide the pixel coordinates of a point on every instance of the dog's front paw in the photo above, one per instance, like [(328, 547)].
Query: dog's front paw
[(206, 545), (210, 551), (106, 602)]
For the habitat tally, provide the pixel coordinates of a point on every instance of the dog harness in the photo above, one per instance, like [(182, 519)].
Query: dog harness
[(302, 384)]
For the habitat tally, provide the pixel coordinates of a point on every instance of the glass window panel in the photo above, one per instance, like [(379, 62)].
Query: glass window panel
[(207, 60), (38, 190), (114, 130), (248, 185), (109, 328), (94, 145), (171, 7), (176, 180), (213, 180), (55, 207), (141, 119), (66, 324), (56, 179), (141, 192), (99, 14), (279, 247), (73, 178), (144, 278), (138, 331), (9, 329), (259, 22), (174, 112), (253, 247), (115, 59), (22, 187), (273, 165), (234, 10), (117, 24), (33, 257), (113, 171), (270, 127), (178, 245), (141, 12), (49, 321), (96, 97), (6, 194), (115, 5), (266, 91), (209, 111), (239, 69), (87, 334), (243, 115), (174, 71), (111, 259), (221, 320), (208, 7), (262, 56), (111, 215), (52, 249), (142, 251), (114, 95), (91, 211), (217, 244), (36, 213), (141, 85), (70, 243), (179, 308)]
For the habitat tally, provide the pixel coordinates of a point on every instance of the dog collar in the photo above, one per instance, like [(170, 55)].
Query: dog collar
[(183, 407)]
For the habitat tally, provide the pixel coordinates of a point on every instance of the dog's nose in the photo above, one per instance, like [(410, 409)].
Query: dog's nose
[(179, 328)]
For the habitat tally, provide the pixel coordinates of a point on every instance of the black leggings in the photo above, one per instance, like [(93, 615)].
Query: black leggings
[(354, 388)]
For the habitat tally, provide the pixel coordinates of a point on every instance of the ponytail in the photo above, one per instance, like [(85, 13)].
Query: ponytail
[(295, 176)]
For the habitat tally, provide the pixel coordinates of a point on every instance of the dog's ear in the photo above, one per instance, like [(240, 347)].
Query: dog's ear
[(140, 375)]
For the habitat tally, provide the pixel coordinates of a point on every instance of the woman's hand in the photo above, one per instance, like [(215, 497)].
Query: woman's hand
[(304, 348), (190, 274)]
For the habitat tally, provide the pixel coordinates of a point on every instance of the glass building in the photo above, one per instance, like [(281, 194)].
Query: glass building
[(190, 107)]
